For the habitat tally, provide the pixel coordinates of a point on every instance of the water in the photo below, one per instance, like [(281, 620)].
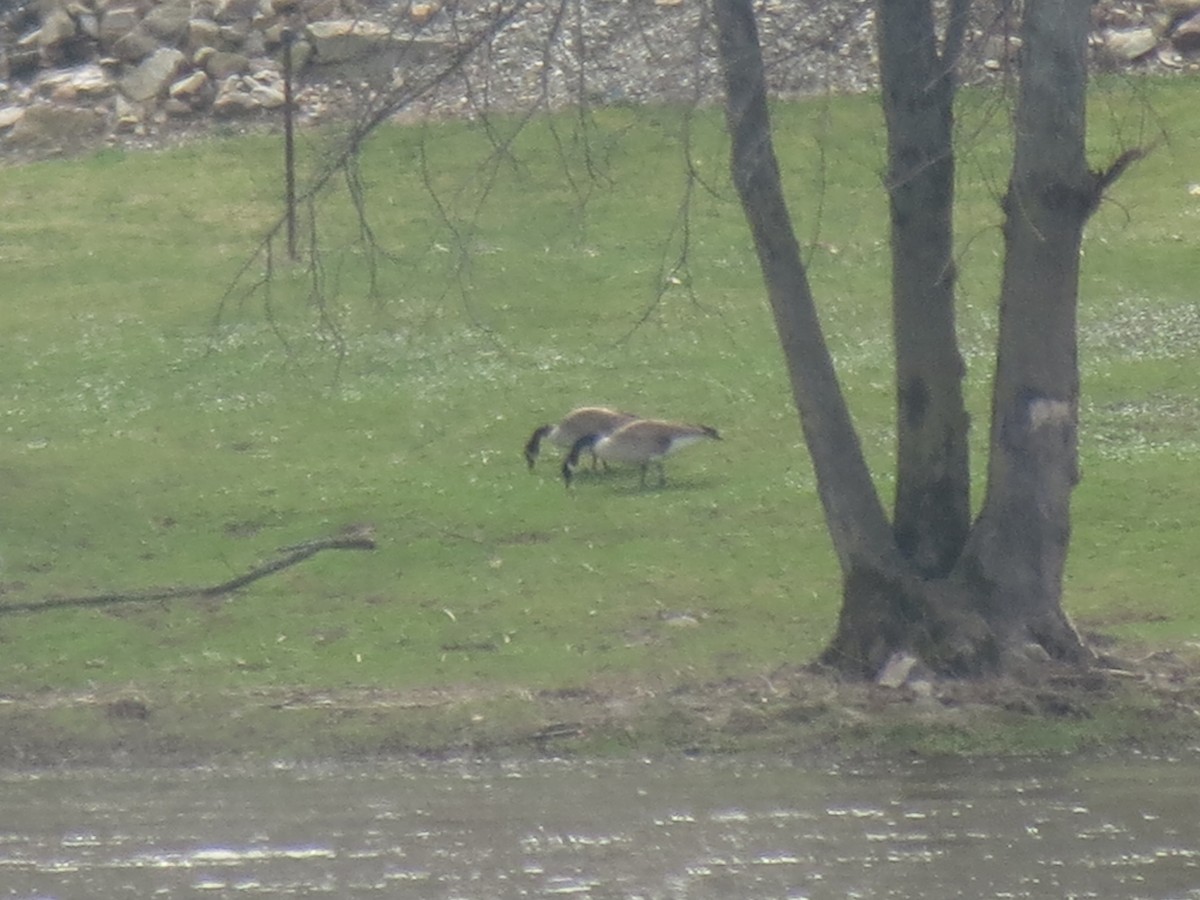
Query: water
[(686, 829)]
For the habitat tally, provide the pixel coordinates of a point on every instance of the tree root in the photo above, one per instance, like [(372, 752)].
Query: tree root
[(360, 537), (953, 628)]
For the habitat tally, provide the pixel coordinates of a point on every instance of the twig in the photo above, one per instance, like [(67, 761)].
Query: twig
[(1106, 178), (358, 538)]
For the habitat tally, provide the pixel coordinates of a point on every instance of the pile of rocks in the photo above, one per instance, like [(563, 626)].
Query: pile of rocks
[(74, 71), (79, 73), (1166, 32)]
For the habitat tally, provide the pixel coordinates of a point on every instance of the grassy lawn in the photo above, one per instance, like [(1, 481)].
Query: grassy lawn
[(167, 421)]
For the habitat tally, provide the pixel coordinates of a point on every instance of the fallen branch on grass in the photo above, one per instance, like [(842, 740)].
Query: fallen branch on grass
[(358, 538)]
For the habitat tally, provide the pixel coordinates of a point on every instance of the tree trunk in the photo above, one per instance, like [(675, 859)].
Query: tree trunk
[(932, 505), (856, 520), (1019, 546), (1003, 595), (966, 602)]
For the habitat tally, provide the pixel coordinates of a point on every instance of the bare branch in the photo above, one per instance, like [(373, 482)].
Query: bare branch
[(668, 274), (1105, 178), (343, 158), (356, 538)]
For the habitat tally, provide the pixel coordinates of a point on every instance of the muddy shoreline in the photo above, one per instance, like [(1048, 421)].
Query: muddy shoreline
[(795, 712)]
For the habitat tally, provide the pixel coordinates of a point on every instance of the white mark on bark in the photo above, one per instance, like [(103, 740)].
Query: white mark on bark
[(1043, 411)]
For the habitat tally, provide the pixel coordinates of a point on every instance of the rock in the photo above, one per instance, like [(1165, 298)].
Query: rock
[(1179, 8), (81, 82), (234, 35), (232, 10), (203, 33), (20, 61), (302, 54), (266, 95), (421, 13), (151, 78), (316, 10), (1001, 51), (346, 40), (204, 9), (1186, 36), (1167, 56), (190, 89), (115, 23), (238, 95), (10, 116), (169, 22), (220, 65), (254, 44), (88, 24), (347, 50), (52, 128), (57, 27), (1130, 44), (128, 114), (896, 670), (135, 46)]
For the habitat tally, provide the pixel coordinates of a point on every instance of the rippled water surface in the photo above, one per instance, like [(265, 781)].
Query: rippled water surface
[(688, 829)]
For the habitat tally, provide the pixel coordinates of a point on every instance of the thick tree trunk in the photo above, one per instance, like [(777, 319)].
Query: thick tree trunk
[(932, 504), (1019, 546), (1001, 602), (965, 602)]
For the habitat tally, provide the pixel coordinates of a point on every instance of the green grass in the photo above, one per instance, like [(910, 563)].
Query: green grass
[(152, 435)]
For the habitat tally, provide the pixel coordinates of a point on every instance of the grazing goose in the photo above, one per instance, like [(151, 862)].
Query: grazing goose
[(642, 442), (596, 420)]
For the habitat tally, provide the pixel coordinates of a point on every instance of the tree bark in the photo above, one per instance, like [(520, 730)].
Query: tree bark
[(932, 513), (966, 600), (1018, 548), (857, 523)]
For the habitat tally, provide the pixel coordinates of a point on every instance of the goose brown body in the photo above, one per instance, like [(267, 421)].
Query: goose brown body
[(586, 420), (642, 442)]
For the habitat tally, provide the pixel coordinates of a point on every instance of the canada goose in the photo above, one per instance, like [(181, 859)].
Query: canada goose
[(597, 420), (642, 442)]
